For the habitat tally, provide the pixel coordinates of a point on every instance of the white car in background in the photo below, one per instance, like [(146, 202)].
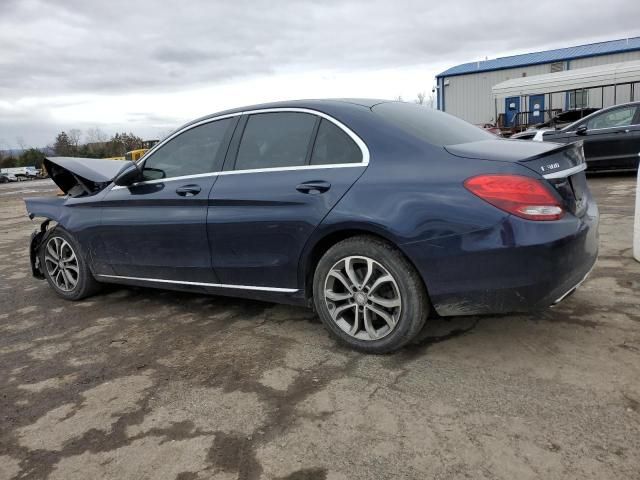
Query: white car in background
[(21, 173), (8, 177), (539, 133)]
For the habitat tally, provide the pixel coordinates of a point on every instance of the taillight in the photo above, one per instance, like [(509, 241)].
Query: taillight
[(522, 196)]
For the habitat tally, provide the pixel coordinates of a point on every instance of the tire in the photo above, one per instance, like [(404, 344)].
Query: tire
[(63, 280), (338, 299)]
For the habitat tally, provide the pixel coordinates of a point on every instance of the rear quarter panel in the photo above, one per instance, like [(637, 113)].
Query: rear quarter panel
[(412, 194)]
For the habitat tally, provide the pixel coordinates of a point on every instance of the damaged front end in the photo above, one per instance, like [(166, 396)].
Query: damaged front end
[(83, 176), (81, 180), (37, 238)]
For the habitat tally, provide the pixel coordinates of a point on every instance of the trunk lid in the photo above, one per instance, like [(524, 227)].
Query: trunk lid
[(562, 165)]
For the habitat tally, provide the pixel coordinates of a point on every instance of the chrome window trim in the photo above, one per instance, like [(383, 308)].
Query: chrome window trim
[(567, 172), (607, 128), (202, 284), (363, 148)]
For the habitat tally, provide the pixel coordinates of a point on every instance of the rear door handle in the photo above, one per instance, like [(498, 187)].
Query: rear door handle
[(188, 190), (314, 187)]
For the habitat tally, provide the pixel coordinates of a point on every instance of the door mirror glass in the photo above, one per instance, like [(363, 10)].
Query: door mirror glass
[(128, 176), (581, 130), (150, 173)]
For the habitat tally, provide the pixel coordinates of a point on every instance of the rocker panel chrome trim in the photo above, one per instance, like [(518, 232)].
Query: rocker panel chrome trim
[(202, 284)]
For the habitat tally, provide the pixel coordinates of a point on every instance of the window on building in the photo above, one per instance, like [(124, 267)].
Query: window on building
[(578, 99)]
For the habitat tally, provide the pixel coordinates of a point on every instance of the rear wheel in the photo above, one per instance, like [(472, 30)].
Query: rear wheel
[(369, 296), (64, 267)]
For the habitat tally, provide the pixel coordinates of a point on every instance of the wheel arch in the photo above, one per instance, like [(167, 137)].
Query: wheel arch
[(320, 245)]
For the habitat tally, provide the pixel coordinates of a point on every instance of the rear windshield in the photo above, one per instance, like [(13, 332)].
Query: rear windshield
[(431, 125)]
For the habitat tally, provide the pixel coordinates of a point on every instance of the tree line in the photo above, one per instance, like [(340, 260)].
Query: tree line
[(93, 143), (28, 158), (96, 145)]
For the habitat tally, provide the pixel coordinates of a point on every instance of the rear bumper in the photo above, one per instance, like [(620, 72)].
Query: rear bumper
[(515, 266)]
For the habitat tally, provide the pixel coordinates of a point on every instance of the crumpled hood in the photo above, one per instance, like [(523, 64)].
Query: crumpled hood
[(77, 175)]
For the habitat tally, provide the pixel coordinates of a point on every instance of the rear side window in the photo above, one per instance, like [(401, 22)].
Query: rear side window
[(334, 146), (433, 126), (278, 139), (193, 152), (620, 117)]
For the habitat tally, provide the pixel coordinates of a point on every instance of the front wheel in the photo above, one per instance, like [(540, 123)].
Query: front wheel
[(369, 296), (64, 267)]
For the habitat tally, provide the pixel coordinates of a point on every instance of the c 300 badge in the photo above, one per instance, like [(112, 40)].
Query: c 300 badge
[(551, 166)]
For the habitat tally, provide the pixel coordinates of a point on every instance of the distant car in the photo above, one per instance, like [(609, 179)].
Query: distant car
[(559, 121), (563, 119), (611, 137), (374, 212), (526, 135), (21, 173), (8, 177)]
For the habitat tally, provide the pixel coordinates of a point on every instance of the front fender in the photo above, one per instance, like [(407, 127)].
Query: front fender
[(46, 207)]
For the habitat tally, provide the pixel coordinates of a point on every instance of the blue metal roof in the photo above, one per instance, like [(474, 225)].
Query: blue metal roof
[(560, 54)]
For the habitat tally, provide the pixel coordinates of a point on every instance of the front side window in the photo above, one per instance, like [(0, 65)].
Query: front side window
[(277, 139), (620, 117), (334, 146), (193, 152)]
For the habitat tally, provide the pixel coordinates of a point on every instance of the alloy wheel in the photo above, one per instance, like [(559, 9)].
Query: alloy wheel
[(363, 298), (61, 263)]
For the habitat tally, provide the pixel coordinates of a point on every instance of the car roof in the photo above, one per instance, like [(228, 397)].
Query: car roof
[(598, 112), (330, 106)]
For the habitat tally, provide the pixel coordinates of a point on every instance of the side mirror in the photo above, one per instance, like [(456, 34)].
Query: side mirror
[(128, 176), (582, 130)]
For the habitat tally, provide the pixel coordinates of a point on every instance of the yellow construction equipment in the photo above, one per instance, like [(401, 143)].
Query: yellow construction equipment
[(135, 155)]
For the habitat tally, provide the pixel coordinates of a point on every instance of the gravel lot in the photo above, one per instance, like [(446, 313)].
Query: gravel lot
[(146, 384)]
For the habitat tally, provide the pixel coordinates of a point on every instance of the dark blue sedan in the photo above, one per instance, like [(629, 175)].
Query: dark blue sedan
[(376, 213)]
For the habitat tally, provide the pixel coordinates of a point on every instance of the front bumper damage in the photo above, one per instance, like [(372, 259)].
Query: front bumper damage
[(37, 238)]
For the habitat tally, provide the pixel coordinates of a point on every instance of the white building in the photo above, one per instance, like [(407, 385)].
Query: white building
[(466, 90)]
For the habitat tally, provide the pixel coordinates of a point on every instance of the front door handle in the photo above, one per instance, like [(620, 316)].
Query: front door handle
[(314, 187), (188, 190)]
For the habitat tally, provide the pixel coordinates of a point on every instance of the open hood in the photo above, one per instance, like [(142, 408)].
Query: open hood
[(83, 176)]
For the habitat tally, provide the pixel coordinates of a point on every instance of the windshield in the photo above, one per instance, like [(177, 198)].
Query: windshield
[(433, 126)]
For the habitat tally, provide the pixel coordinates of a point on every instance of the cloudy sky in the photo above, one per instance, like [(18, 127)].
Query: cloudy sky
[(148, 66)]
